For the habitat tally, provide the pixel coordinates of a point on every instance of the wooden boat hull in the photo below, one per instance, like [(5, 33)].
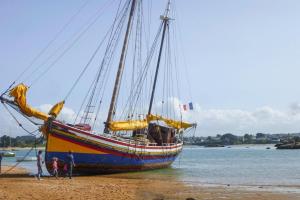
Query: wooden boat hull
[(98, 154)]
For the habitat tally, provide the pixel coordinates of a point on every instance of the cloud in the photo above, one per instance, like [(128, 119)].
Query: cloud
[(263, 119), (66, 114), (219, 121), (210, 121)]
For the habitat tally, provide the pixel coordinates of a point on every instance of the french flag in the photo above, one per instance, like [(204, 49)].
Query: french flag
[(191, 106)]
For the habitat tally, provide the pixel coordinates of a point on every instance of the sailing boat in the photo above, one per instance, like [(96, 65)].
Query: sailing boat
[(149, 141)]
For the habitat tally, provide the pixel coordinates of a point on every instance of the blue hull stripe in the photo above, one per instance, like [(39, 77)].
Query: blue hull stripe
[(107, 159)]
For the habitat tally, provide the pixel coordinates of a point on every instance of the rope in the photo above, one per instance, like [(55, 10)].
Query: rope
[(109, 32), (100, 82), (18, 162), (31, 133), (85, 68), (77, 36), (51, 41), (23, 158), (8, 88)]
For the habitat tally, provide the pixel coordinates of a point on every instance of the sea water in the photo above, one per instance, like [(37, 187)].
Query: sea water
[(31, 166), (239, 165), (245, 165)]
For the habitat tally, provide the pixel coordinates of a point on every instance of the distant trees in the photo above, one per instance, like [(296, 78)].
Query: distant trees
[(230, 139), (19, 141), (259, 138), (260, 135), (248, 139)]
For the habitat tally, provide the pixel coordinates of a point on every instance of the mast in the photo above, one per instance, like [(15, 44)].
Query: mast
[(120, 69), (165, 24)]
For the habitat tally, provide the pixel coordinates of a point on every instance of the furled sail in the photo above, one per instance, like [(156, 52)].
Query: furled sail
[(127, 125), (55, 110), (19, 94), (170, 122), (140, 124)]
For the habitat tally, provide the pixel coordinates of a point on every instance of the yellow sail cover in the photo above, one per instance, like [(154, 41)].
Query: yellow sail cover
[(19, 94), (55, 110), (170, 122), (140, 124), (127, 125)]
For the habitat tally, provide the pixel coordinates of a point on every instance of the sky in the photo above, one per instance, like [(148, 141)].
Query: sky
[(242, 59)]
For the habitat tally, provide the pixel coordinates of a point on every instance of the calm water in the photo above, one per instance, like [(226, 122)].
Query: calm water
[(31, 165), (238, 165)]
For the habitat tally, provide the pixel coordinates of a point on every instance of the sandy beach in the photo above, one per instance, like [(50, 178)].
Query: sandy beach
[(17, 184)]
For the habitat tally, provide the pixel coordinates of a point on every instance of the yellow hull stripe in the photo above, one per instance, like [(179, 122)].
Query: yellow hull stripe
[(59, 145)]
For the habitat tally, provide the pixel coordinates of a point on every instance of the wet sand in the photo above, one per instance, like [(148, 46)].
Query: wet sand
[(17, 184)]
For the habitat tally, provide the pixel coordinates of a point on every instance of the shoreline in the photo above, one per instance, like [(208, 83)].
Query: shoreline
[(18, 184), (19, 148)]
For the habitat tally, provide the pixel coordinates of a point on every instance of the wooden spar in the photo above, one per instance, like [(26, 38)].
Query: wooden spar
[(120, 69), (165, 21)]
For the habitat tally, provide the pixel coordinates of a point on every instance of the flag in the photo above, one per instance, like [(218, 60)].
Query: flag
[(191, 106), (184, 107)]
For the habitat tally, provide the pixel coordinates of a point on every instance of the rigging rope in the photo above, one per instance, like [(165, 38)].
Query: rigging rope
[(52, 40), (19, 123), (100, 83), (97, 84), (135, 95), (18, 162), (23, 158), (27, 131), (93, 20), (86, 67), (177, 29)]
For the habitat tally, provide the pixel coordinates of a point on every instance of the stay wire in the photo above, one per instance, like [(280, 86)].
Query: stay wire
[(52, 40), (51, 65), (19, 123), (30, 133), (141, 79), (87, 65), (97, 83), (23, 158), (109, 55)]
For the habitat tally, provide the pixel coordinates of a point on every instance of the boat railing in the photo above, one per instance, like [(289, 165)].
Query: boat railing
[(169, 144), (130, 141)]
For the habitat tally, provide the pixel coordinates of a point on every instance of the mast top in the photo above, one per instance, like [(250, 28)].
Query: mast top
[(166, 15), (165, 23)]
